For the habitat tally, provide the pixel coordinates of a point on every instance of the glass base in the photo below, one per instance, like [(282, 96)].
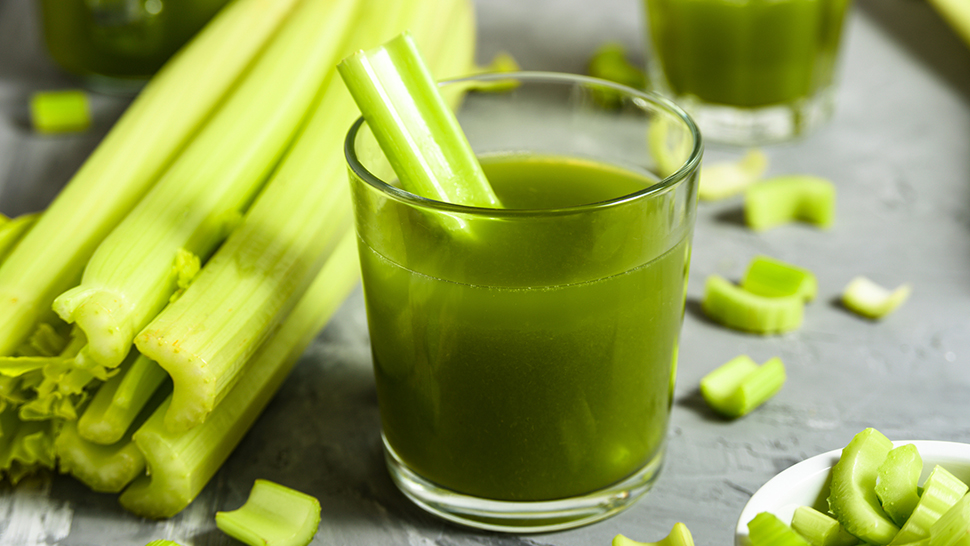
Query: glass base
[(754, 126), (521, 517)]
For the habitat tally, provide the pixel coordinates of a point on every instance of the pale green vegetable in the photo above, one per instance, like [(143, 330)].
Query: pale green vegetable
[(740, 385), (63, 111), (953, 527), (941, 491), (820, 529), (852, 494), (765, 529), (12, 231), (728, 178), (897, 482), (679, 536), (735, 307), (103, 468), (120, 399), (868, 299), (274, 515), (790, 198), (957, 13), (774, 278)]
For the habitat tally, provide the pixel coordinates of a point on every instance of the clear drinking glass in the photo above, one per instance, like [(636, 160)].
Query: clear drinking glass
[(749, 71), (524, 357)]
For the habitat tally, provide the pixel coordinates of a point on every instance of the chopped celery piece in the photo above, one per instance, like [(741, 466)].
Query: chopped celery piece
[(164, 117), (609, 62), (774, 278), (741, 385), (120, 399), (897, 482), (852, 495), (727, 178), (679, 536), (163, 542), (735, 307), (765, 529), (182, 463), (953, 527), (820, 529), (941, 491), (274, 515), (12, 231), (60, 111), (789, 198), (103, 468), (414, 126), (868, 299), (501, 62)]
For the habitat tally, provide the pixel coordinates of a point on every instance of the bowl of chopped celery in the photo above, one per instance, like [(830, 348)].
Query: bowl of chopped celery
[(807, 483)]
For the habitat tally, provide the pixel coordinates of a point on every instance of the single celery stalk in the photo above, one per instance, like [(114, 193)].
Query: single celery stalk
[(202, 196), (765, 529), (953, 527), (64, 111), (728, 178), (790, 198), (120, 399), (12, 231), (868, 299), (740, 385), (941, 491), (202, 340), (852, 495), (735, 307), (774, 278), (679, 536), (897, 482), (130, 159), (414, 126), (182, 463), (820, 529), (103, 468), (274, 515)]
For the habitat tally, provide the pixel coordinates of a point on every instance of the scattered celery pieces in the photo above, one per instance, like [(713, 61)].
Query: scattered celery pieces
[(740, 385), (868, 299), (852, 495), (941, 491), (609, 62), (727, 178), (897, 482), (735, 307), (789, 198), (773, 278), (679, 536), (66, 111), (820, 529), (765, 529), (274, 515)]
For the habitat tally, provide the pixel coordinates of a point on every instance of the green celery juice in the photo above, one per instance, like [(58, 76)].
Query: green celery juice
[(496, 386), (746, 53)]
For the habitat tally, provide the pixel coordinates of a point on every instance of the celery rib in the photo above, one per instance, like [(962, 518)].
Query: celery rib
[(941, 491), (732, 306), (897, 484), (150, 134), (740, 385), (679, 536), (789, 198), (273, 515), (103, 468), (727, 178), (12, 231), (852, 497), (868, 299), (774, 278), (119, 400)]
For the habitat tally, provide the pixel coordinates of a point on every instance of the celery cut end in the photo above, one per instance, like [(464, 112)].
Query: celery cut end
[(852, 498), (734, 307), (872, 301), (765, 529), (739, 386), (274, 515), (679, 536), (773, 278), (790, 198)]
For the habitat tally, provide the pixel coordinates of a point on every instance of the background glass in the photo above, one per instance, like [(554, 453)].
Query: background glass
[(524, 358), (748, 71)]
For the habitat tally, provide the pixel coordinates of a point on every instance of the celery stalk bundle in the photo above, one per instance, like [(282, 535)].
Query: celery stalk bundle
[(259, 166)]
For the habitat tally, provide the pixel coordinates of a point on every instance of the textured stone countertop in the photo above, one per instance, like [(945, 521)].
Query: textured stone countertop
[(898, 149)]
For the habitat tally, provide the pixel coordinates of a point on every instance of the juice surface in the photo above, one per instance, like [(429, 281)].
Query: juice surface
[(519, 392), (747, 53)]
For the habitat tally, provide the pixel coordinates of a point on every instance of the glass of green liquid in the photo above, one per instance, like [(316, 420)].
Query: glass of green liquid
[(749, 71), (524, 357)]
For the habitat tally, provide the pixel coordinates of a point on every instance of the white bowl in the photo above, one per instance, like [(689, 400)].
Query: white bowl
[(807, 483)]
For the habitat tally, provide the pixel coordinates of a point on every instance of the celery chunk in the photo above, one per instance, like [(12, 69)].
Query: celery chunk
[(727, 178), (941, 491), (789, 198), (765, 529), (679, 536), (953, 527), (103, 468), (162, 542), (820, 529), (740, 385), (774, 278), (868, 299), (274, 515), (852, 495), (414, 126), (735, 307), (897, 482), (609, 62), (60, 111)]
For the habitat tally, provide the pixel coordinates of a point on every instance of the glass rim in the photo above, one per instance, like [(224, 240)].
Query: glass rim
[(674, 179)]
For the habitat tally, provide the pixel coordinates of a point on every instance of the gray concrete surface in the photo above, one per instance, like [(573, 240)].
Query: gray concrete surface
[(898, 149)]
